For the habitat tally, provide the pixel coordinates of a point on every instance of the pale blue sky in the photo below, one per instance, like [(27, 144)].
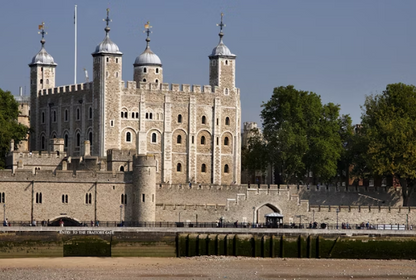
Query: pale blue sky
[(342, 50)]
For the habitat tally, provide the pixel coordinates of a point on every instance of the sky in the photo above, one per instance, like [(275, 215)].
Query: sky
[(341, 50)]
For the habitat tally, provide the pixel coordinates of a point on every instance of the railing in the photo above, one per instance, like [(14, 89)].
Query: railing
[(187, 224)]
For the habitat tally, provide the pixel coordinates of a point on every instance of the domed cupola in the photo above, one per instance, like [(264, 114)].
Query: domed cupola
[(222, 65), (107, 46), (42, 57), (221, 49), (148, 66)]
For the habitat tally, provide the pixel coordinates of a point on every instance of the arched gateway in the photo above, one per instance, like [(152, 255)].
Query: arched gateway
[(265, 209)]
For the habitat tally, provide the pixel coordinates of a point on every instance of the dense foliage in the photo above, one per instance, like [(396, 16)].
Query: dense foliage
[(303, 135), (9, 127)]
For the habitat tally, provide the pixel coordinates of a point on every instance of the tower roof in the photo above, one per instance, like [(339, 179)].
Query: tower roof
[(42, 57), (148, 58), (221, 49), (107, 46)]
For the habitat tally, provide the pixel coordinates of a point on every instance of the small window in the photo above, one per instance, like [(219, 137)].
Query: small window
[(178, 167), (116, 60), (192, 139), (144, 80), (144, 71), (90, 137), (179, 118), (43, 117), (150, 115), (217, 121), (156, 81), (128, 136), (111, 123), (132, 115), (116, 74), (147, 115), (90, 113), (2, 198), (204, 120), (65, 198), (39, 198), (226, 62), (107, 59), (125, 115), (122, 114), (88, 198), (226, 141), (226, 169), (41, 81), (202, 140), (78, 139), (66, 115), (43, 142), (66, 141), (78, 114), (218, 141), (137, 115), (143, 197), (227, 121), (203, 168), (124, 199), (122, 168), (213, 62), (154, 137), (179, 139), (157, 70), (54, 116)]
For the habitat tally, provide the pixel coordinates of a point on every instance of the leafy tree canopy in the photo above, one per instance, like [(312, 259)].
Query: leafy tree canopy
[(9, 127), (389, 132), (302, 134)]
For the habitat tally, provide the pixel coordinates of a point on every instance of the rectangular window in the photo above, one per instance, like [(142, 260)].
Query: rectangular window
[(111, 123), (143, 197)]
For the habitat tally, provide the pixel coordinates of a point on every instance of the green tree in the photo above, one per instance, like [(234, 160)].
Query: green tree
[(389, 132), (254, 155), (302, 134), (9, 127)]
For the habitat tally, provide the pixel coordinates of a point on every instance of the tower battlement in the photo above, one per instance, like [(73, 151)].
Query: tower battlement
[(66, 89)]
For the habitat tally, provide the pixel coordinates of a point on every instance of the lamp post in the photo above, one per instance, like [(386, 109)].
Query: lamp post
[(337, 216)]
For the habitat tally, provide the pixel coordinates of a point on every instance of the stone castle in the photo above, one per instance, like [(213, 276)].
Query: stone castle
[(147, 151)]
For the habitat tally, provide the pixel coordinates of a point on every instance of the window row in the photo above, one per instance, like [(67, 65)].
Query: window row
[(108, 59), (145, 70), (66, 115), (125, 115), (203, 168), (66, 140)]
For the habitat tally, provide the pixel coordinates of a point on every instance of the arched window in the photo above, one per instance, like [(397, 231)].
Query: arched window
[(179, 139), (122, 199), (203, 168), (144, 71), (125, 115), (43, 142), (204, 120), (147, 115), (90, 137), (132, 115), (154, 138), (66, 141), (157, 70), (202, 140), (116, 60), (137, 115), (156, 81), (78, 139), (226, 141), (226, 169), (122, 168), (151, 116), (227, 121), (128, 136), (179, 118), (122, 114), (226, 62), (144, 80), (179, 167)]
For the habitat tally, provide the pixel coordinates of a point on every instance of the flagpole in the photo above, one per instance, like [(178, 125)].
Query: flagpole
[(75, 58)]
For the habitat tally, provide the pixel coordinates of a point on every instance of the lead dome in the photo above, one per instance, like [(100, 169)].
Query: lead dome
[(43, 57), (107, 46)]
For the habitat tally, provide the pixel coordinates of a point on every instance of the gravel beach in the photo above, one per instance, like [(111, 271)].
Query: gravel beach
[(210, 267)]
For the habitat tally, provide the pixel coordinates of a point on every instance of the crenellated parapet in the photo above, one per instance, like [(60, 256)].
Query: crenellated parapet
[(66, 89), (165, 87)]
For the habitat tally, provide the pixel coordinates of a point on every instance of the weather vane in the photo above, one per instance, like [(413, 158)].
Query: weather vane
[(108, 20), (42, 32), (147, 29), (221, 25)]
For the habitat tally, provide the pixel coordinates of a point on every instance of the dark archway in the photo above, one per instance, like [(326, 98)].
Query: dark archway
[(266, 208), (68, 222)]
